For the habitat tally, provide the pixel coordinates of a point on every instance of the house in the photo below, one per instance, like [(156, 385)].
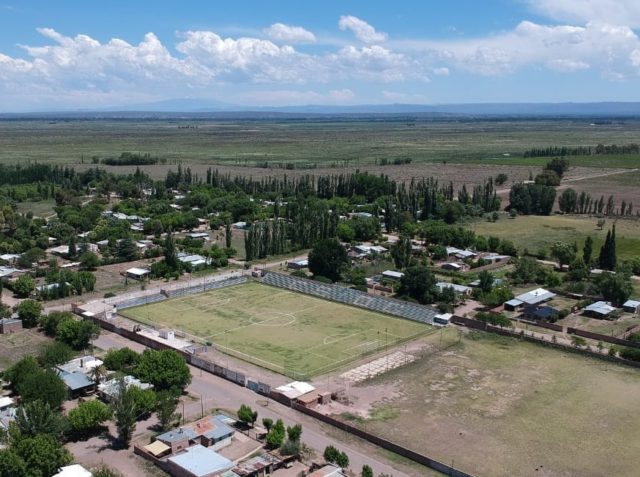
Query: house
[(198, 235), (108, 390), (599, 309), (73, 470), (454, 267), (631, 306), (210, 431), (77, 382), (497, 282), (137, 273), (495, 258), (540, 313), (361, 251), (458, 289), (533, 297), (5, 403), (10, 325), (10, 258), (392, 275), (8, 272), (258, 466), (194, 260), (84, 364), (59, 250), (461, 254), (442, 319), (198, 461), (298, 264)]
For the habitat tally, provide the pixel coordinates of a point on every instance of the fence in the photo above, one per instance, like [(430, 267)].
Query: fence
[(349, 296), (203, 287)]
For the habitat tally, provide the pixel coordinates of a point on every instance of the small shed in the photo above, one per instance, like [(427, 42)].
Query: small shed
[(631, 306), (392, 275), (454, 267), (137, 273), (158, 449), (513, 304), (298, 264), (10, 325), (458, 289), (442, 319)]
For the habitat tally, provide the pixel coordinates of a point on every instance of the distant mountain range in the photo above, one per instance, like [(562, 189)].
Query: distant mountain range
[(196, 108)]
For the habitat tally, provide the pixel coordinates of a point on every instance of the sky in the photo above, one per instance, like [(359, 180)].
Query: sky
[(81, 55)]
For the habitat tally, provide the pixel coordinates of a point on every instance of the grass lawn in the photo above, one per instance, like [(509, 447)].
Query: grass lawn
[(43, 208), (496, 406), (290, 333), (539, 232)]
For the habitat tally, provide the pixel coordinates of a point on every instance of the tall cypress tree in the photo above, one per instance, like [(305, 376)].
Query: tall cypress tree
[(587, 250), (604, 252)]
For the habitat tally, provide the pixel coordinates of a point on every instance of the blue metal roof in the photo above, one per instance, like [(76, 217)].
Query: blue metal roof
[(75, 381), (201, 461)]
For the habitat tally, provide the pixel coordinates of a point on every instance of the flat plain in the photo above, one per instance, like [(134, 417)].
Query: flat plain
[(503, 407), (290, 333), (536, 232)]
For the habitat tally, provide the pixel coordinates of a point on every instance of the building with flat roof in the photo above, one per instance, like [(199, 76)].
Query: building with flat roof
[(329, 470), (210, 431), (109, 389), (137, 273), (10, 325), (533, 297), (631, 306), (458, 289), (198, 461), (392, 275)]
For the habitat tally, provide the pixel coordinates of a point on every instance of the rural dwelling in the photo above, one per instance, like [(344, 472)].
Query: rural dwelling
[(198, 236), (540, 313), (599, 309), (258, 466), (533, 297), (497, 282), (73, 470), (108, 390), (9, 258), (8, 272), (495, 258), (458, 289), (298, 264), (5, 403), (59, 250), (309, 400), (631, 306), (78, 383), (137, 273), (453, 267), (10, 325), (392, 275), (198, 461), (210, 431), (194, 260)]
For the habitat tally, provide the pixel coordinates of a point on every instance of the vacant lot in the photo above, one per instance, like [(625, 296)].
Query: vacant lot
[(537, 232), (499, 407), (287, 332), (14, 346)]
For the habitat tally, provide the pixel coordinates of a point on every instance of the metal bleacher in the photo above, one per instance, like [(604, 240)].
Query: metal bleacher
[(349, 296), (142, 300)]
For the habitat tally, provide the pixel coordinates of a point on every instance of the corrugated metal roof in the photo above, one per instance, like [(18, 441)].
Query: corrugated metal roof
[(201, 461)]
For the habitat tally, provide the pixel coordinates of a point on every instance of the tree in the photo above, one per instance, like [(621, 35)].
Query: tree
[(275, 436), (89, 261), (418, 283), (330, 454), (342, 460), (17, 373), (45, 385), (77, 333), (615, 287), (37, 417), (29, 312), (367, 471), (49, 323), (166, 404), (42, 454), (170, 254), (127, 251), (165, 369), (607, 259), (328, 258), (563, 252), (401, 252), (73, 249), (54, 354), (247, 415), (123, 359), (587, 250), (145, 400), (104, 471), (124, 411), (267, 422), (84, 419), (24, 286), (294, 433), (486, 281), (11, 464)]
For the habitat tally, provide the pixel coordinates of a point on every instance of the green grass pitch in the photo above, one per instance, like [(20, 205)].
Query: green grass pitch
[(287, 332)]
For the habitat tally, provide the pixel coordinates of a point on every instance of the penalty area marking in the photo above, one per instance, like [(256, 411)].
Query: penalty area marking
[(276, 316)]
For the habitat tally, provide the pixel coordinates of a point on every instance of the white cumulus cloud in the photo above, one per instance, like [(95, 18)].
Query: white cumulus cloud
[(361, 29), (288, 33), (619, 12)]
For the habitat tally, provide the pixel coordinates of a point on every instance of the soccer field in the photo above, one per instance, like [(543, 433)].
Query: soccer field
[(290, 333)]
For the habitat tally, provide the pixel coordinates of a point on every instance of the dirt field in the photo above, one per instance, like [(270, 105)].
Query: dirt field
[(15, 346), (290, 333), (499, 407), (536, 232)]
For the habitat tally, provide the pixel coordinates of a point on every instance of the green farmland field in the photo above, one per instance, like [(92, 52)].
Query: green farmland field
[(290, 333), (539, 232)]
